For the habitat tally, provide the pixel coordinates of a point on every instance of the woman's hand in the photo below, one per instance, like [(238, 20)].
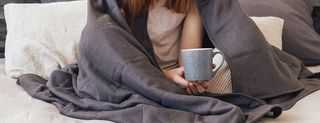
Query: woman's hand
[(196, 88), (177, 76)]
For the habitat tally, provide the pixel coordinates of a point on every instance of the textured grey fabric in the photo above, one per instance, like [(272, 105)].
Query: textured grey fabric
[(299, 37), (315, 2), (257, 69), (117, 77), (316, 19)]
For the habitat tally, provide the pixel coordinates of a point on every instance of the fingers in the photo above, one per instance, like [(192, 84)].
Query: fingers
[(199, 88), (181, 82), (176, 75), (189, 91), (180, 71), (204, 84), (213, 66), (195, 89)]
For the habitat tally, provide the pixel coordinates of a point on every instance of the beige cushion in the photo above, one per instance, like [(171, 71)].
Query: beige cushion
[(271, 28)]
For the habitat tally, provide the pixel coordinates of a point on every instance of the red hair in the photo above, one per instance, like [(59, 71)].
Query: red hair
[(132, 8)]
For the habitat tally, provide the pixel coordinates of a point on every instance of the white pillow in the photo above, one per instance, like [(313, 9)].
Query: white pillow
[(271, 27), (45, 37), (42, 37)]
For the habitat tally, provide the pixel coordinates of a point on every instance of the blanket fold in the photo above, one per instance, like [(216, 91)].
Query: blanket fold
[(117, 77), (281, 78)]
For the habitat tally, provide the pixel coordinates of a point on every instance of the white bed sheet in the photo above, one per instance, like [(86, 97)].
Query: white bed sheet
[(17, 106), (2, 70)]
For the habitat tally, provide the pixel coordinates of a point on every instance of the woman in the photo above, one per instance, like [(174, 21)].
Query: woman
[(117, 76), (173, 25)]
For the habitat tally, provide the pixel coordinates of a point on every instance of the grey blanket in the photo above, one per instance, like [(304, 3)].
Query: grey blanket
[(118, 79)]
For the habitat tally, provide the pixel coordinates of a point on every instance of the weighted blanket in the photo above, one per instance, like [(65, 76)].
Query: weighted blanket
[(117, 77)]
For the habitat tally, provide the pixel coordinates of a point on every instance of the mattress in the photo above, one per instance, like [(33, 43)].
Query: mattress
[(17, 106)]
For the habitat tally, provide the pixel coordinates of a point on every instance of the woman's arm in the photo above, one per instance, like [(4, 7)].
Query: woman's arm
[(192, 32), (191, 38)]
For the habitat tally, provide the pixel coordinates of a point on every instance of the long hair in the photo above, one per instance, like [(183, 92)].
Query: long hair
[(132, 8)]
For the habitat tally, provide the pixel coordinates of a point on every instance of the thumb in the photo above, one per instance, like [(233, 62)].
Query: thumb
[(179, 78), (180, 71), (181, 81)]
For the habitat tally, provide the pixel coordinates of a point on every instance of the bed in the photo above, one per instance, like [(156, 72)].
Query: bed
[(18, 106)]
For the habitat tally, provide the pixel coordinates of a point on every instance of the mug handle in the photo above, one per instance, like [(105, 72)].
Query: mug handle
[(216, 69)]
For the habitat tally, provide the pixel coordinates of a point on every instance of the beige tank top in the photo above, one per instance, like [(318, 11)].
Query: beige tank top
[(164, 28)]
